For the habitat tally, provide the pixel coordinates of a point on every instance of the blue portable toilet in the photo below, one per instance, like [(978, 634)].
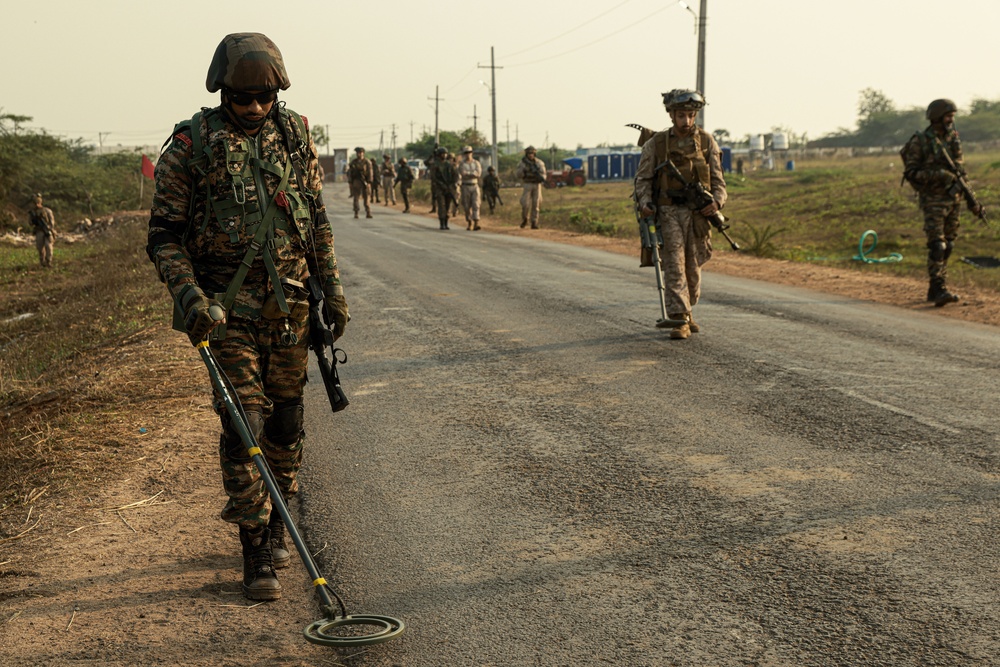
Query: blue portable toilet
[(600, 171), (727, 159), (631, 165), (616, 166)]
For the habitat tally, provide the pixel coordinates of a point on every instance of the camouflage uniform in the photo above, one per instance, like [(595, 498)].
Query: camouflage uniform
[(207, 209), (44, 224), (491, 189), (927, 171), (388, 174), (404, 176), (687, 238), (469, 173), (444, 178), (359, 177), (531, 172)]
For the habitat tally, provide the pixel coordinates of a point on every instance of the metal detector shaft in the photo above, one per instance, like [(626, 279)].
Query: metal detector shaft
[(658, 266), (277, 499)]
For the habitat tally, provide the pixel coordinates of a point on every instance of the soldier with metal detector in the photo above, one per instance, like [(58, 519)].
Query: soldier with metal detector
[(238, 232), (933, 165), (679, 180)]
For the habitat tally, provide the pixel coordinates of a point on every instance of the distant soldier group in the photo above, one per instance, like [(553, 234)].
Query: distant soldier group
[(366, 176)]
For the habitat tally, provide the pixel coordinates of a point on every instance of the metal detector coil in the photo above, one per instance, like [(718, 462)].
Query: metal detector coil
[(325, 631)]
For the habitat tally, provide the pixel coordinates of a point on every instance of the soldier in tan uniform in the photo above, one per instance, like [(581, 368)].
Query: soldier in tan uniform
[(44, 224), (388, 177), (469, 173), (531, 171), (687, 238), (359, 176)]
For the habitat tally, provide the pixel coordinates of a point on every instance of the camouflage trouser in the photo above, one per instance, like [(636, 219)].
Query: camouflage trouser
[(442, 202), (359, 189), (268, 378), (470, 201), (404, 192), (687, 244), (388, 191), (531, 202), (43, 243), (941, 226), (373, 190)]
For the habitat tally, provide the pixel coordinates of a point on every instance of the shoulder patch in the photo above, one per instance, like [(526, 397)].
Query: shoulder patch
[(180, 136)]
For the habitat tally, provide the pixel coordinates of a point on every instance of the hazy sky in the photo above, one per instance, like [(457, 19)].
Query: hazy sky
[(574, 72)]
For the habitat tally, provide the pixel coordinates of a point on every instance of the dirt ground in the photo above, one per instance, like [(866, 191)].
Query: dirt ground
[(143, 571)]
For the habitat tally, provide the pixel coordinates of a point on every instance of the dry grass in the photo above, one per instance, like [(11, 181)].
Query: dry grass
[(79, 377)]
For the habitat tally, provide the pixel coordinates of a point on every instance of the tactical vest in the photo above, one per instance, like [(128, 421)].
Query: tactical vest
[(689, 155), (247, 222)]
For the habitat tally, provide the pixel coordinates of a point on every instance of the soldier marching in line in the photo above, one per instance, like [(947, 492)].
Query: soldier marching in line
[(491, 188), (444, 180), (927, 169), (359, 178), (388, 174), (531, 171), (456, 194), (44, 224), (374, 180), (239, 237), (687, 242), (404, 176), (469, 172), (430, 162)]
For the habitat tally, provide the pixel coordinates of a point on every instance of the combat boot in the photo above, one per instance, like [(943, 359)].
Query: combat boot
[(368, 215), (524, 223), (682, 331), (534, 225), (693, 325), (355, 215), (259, 580), (944, 297), (279, 552)]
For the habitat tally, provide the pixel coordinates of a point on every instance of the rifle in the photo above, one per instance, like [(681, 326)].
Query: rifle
[(700, 197), (321, 338), (961, 185)]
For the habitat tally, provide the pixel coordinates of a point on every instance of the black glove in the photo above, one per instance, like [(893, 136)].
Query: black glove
[(335, 313), (201, 314)]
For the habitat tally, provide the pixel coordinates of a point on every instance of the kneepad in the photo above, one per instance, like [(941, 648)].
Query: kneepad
[(284, 426), (231, 444), (938, 250)]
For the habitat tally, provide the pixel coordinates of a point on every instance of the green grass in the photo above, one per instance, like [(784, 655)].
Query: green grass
[(818, 211)]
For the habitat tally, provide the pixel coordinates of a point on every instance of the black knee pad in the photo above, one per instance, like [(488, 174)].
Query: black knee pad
[(937, 250), (284, 426), (231, 444)]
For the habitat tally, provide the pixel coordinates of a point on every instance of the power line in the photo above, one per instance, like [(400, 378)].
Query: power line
[(552, 39), (599, 39)]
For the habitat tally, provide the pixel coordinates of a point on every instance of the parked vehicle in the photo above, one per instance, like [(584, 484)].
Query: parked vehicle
[(572, 174)]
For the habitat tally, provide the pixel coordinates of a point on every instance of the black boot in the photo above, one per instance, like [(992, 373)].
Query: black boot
[(944, 297), (279, 552), (259, 580)]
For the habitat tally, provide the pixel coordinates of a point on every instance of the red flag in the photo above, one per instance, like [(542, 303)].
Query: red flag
[(147, 168)]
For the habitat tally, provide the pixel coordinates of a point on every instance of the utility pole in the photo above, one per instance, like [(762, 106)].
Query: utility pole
[(508, 137), (393, 142), (411, 131), (100, 141), (437, 136), (381, 141), (702, 21), (493, 94), (474, 117)]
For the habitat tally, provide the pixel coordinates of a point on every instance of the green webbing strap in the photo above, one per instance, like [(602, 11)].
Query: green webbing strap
[(255, 247)]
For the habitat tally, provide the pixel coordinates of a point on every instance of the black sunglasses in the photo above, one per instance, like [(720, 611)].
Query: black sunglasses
[(245, 99)]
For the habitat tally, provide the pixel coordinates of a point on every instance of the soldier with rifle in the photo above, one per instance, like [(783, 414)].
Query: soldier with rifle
[(531, 171), (933, 165), (44, 224), (444, 178), (491, 188), (404, 176), (684, 199)]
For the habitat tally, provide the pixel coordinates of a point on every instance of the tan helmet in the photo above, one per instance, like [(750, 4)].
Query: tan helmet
[(466, 149), (938, 109), (386, 156), (683, 99), (247, 61)]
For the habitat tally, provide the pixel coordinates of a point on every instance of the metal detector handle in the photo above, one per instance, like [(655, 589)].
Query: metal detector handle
[(253, 449)]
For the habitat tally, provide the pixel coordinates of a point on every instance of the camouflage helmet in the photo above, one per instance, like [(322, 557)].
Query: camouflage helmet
[(530, 149), (247, 61), (938, 109), (683, 99), (440, 150), (386, 156)]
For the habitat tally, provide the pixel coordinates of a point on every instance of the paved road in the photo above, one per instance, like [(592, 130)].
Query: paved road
[(531, 474)]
